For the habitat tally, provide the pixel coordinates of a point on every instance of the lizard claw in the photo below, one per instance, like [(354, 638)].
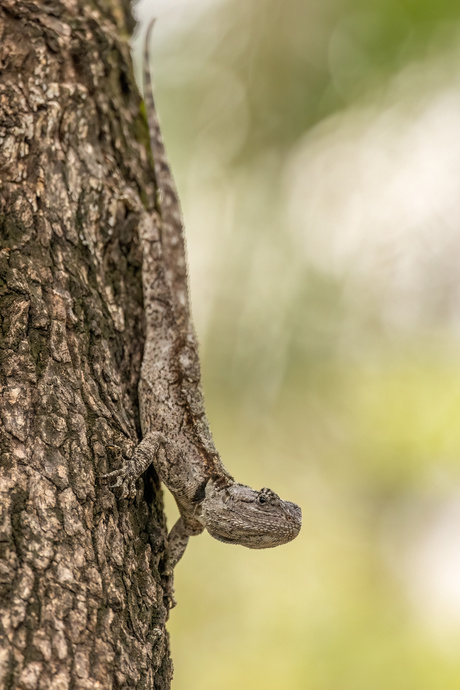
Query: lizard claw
[(122, 480), (168, 591)]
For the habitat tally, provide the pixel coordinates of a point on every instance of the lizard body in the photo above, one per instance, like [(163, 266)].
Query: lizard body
[(176, 434)]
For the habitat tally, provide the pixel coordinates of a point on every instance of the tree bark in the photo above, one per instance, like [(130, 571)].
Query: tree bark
[(81, 574)]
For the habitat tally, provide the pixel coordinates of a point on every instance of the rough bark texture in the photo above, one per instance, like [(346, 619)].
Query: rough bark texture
[(81, 596)]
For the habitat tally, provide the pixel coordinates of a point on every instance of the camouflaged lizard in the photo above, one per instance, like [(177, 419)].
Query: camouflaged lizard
[(176, 434)]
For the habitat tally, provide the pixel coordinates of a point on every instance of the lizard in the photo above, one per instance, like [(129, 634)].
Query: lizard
[(176, 433)]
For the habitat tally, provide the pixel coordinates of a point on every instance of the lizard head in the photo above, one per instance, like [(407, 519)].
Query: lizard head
[(237, 514)]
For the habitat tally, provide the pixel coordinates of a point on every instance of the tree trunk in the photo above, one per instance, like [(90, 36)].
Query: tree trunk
[(81, 596)]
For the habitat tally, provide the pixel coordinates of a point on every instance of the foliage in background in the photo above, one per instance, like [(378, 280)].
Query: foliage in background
[(311, 386)]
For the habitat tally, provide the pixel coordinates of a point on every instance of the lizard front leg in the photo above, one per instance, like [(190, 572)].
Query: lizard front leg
[(143, 456), (149, 451), (177, 543), (178, 539)]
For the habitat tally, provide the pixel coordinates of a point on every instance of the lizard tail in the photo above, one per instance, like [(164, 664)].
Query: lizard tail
[(172, 228), (163, 173)]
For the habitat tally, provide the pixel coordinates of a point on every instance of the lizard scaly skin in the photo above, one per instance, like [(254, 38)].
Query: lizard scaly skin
[(176, 434)]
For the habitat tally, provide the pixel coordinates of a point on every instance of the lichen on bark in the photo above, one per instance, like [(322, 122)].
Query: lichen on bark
[(81, 588)]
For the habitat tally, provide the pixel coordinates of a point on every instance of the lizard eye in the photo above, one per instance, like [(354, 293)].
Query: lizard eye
[(261, 499)]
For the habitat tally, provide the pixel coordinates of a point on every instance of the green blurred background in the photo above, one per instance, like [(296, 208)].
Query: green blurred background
[(316, 147)]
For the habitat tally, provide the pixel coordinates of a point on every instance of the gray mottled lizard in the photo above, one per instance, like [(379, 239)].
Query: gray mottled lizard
[(176, 434)]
